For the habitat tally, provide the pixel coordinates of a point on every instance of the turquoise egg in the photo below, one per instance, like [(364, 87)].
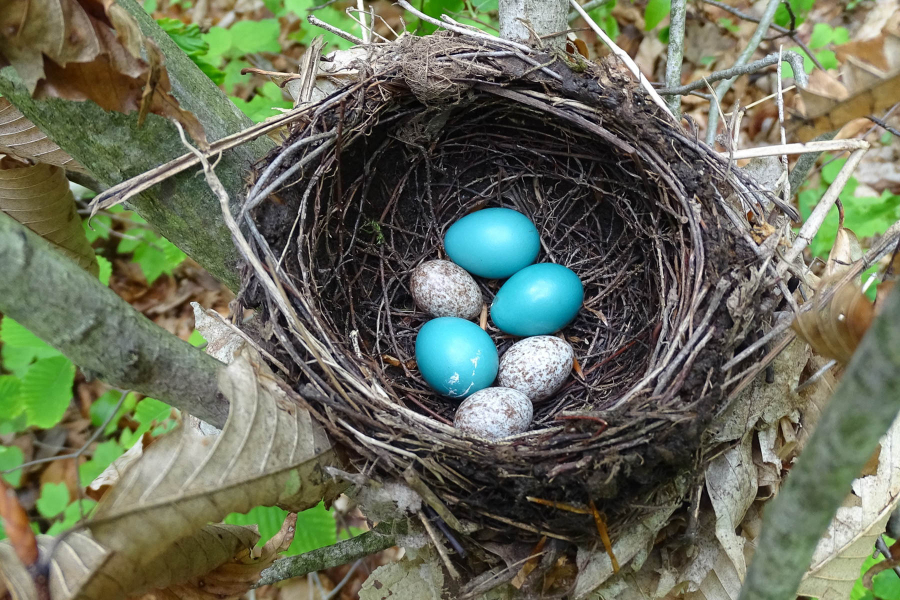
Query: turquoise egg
[(493, 242), (456, 357), (538, 300)]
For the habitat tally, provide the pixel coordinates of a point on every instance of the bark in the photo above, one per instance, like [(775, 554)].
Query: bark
[(860, 412), (67, 307), (519, 18), (110, 144)]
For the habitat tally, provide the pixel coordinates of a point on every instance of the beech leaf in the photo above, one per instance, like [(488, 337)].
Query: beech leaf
[(269, 453), (20, 138)]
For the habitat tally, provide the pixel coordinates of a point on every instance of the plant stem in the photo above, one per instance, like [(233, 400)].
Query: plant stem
[(764, 21), (794, 59), (66, 306), (382, 537), (675, 54), (863, 407)]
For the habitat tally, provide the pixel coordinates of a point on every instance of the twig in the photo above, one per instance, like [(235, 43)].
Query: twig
[(794, 59), (752, 45), (883, 124), (886, 552), (779, 102), (314, 20), (807, 161), (783, 30), (823, 146), (676, 53), (624, 57), (442, 552), (591, 5), (817, 217), (363, 26)]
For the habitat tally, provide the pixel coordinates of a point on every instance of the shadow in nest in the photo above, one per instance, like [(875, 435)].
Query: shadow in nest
[(650, 219)]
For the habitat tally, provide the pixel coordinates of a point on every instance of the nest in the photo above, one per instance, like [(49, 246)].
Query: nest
[(654, 223)]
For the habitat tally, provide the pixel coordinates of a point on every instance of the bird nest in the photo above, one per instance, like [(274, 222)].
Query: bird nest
[(654, 223)]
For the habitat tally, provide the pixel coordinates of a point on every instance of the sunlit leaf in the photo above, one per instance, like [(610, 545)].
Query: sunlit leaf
[(656, 11), (47, 390), (54, 499), (10, 458), (104, 455)]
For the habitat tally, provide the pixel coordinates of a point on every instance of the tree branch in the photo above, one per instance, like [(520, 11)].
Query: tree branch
[(522, 20), (112, 146), (792, 58), (382, 537), (68, 308), (863, 407)]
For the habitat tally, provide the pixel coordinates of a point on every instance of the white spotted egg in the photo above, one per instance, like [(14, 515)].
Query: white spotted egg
[(494, 413), (536, 366), (444, 289)]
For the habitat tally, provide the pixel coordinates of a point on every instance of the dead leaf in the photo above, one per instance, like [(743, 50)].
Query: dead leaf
[(113, 473), (269, 453), (17, 527), (38, 197), (72, 49), (73, 560), (233, 578), (20, 138), (851, 535)]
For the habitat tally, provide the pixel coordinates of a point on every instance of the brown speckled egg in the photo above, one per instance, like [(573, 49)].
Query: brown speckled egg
[(444, 289), (494, 413), (536, 366)]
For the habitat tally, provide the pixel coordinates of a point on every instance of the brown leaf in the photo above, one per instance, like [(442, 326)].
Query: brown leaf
[(269, 453), (38, 197), (20, 138), (81, 50), (75, 557), (835, 328), (233, 578), (16, 525)]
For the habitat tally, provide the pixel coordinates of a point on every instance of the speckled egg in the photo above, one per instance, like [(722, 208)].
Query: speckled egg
[(538, 300), (494, 413), (536, 366), (444, 289), (456, 357), (493, 242)]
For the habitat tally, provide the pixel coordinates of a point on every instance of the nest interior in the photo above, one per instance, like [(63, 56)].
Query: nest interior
[(653, 222)]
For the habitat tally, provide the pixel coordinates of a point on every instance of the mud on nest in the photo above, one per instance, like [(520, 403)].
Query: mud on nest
[(652, 221)]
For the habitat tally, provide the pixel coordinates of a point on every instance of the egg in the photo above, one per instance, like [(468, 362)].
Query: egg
[(444, 289), (494, 413), (493, 242), (538, 300), (536, 366), (456, 357)]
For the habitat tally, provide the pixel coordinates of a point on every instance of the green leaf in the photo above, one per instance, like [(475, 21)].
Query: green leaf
[(218, 42), (14, 425), (800, 7), (886, 585), (104, 455), (828, 59), (47, 390), (262, 106), (197, 339), (54, 499), (72, 515), (150, 6), (103, 406), (315, 527), (841, 36), (20, 347), (821, 36), (729, 25), (10, 458), (831, 169), (664, 35), (255, 36), (161, 257), (656, 11), (105, 270), (97, 228), (149, 410), (10, 397)]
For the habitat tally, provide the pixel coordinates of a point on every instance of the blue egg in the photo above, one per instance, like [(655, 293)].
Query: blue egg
[(493, 242), (538, 300), (456, 357)]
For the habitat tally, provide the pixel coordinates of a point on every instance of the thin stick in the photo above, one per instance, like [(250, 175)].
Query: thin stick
[(752, 45), (794, 59), (591, 5), (364, 28), (775, 26), (779, 102), (314, 20), (439, 546), (623, 56), (823, 146), (676, 53), (815, 220)]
